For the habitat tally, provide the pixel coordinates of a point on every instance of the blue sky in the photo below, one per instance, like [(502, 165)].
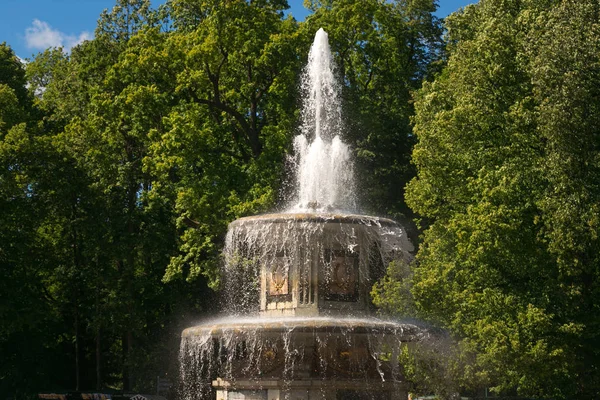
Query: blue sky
[(30, 26)]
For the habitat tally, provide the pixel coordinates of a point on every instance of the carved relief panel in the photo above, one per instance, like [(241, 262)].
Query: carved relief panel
[(341, 280), (278, 278)]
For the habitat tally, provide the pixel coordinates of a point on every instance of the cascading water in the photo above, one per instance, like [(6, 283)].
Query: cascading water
[(298, 321)]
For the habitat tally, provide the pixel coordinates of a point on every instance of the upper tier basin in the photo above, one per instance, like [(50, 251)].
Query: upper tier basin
[(309, 264)]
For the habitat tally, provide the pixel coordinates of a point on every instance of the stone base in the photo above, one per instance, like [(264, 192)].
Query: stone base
[(309, 390)]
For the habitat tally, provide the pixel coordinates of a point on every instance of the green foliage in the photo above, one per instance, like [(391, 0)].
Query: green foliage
[(507, 172), (222, 148), (392, 294), (440, 365), (15, 102), (29, 310)]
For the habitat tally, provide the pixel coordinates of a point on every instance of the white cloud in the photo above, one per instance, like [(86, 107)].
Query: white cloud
[(40, 35)]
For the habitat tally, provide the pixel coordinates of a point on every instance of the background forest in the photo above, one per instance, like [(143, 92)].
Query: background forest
[(123, 161)]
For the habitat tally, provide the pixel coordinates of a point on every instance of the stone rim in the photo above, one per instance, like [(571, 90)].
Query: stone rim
[(316, 217), (317, 325)]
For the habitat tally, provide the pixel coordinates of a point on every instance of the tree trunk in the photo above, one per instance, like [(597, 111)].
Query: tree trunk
[(77, 364), (98, 343), (127, 346), (77, 292), (98, 361), (125, 350), (129, 352)]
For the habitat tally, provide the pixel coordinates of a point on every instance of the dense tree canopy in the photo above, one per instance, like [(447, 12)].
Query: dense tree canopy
[(123, 161), (507, 185)]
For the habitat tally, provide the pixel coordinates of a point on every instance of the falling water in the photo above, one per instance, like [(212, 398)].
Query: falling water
[(322, 162), (322, 348), (255, 242)]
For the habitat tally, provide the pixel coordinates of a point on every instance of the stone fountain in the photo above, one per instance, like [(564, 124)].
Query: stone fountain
[(297, 283)]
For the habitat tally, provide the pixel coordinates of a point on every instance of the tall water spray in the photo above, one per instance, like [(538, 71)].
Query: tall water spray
[(323, 162)]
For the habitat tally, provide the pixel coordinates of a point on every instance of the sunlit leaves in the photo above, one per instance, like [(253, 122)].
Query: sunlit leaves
[(507, 179)]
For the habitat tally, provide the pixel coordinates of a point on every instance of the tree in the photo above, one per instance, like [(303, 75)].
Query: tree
[(101, 105), (565, 71), (223, 146), (506, 184), (31, 255), (108, 141)]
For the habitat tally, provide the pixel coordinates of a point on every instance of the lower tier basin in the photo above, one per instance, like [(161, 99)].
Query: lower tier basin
[(296, 358)]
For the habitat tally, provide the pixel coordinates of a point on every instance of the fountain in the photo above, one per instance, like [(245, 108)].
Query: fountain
[(297, 283)]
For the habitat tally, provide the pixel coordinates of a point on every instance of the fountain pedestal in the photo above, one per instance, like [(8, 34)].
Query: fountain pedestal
[(307, 277)]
